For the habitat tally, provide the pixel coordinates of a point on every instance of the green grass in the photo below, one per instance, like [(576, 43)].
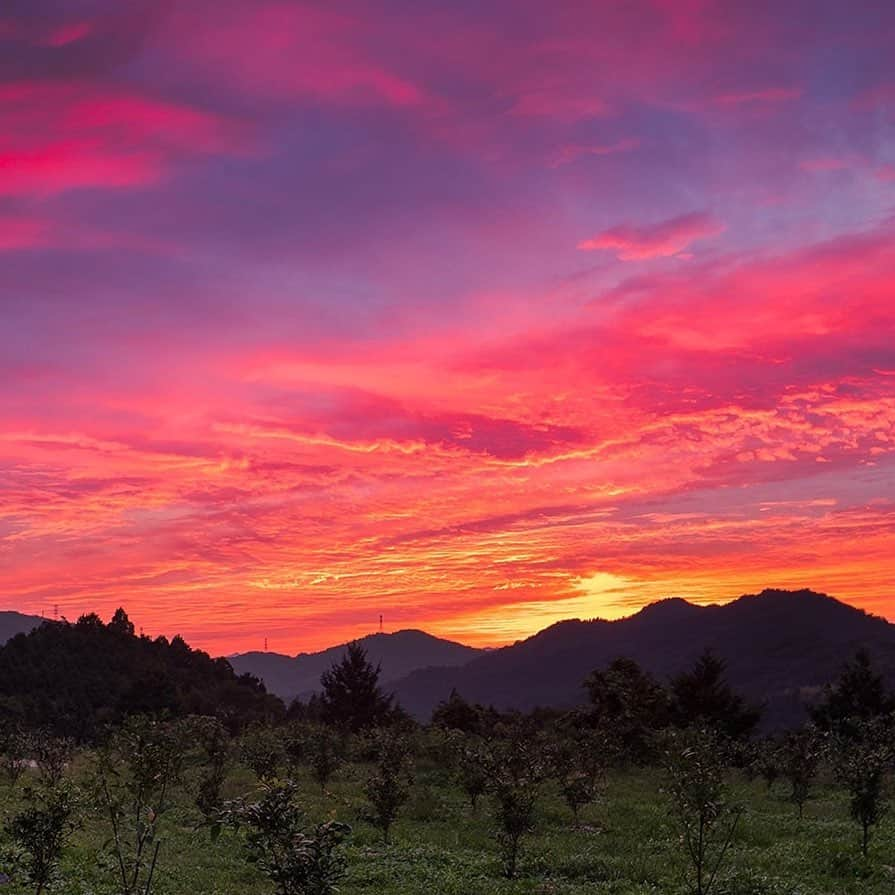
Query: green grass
[(627, 844)]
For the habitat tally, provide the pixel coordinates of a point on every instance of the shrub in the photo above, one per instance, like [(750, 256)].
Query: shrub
[(296, 860), (261, 750), (41, 830)]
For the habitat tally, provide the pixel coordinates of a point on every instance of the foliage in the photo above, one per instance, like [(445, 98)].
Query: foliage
[(214, 746), (51, 755), (694, 762), (701, 697), (41, 829), (324, 751), (135, 773), (472, 767), (767, 759), (859, 695), (629, 702), (860, 759), (351, 697), (296, 860), (388, 786), (13, 753), (518, 768), (261, 750), (801, 755), (579, 764), (73, 679)]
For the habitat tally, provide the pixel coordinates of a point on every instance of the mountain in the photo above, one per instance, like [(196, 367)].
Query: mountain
[(12, 623), (398, 654), (77, 678), (781, 647)]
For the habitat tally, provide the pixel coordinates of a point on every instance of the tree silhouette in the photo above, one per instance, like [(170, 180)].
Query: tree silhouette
[(629, 702), (702, 696), (352, 697), (859, 695)]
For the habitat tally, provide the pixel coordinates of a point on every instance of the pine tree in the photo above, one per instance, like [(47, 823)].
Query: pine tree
[(352, 697)]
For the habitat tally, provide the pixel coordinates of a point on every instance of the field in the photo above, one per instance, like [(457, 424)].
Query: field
[(627, 844)]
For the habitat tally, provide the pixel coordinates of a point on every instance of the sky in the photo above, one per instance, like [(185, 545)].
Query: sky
[(477, 315)]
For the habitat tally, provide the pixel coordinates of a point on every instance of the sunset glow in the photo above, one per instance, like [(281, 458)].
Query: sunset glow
[(478, 315)]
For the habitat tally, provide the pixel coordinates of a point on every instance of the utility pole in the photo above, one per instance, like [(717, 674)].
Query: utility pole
[(265, 644), (380, 624)]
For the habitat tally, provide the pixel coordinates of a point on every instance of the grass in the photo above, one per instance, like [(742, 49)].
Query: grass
[(627, 844)]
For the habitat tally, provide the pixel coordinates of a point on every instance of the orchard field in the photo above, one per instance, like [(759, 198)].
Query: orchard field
[(627, 841)]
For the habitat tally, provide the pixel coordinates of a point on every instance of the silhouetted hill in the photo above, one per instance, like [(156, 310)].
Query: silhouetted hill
[(781, 648), (76, 678), (398, 654), (12, 623)]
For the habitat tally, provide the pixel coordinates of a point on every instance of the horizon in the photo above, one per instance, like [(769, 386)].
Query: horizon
[(301, 651), (478, 317)]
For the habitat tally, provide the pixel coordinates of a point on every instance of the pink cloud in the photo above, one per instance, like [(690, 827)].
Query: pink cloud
[(632, 243), (769, 95), (291, 49), (59, 137), (20, 233), (575, 151), (68, 34)]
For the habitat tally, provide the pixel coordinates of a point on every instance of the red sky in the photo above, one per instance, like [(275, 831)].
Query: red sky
[(479, 315)]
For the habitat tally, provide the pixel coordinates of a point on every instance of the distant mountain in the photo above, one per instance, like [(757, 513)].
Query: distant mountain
[(781, 648), (12, 623), (398, 654)]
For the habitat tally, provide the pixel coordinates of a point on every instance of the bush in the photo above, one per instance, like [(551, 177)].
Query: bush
[(298, 861)]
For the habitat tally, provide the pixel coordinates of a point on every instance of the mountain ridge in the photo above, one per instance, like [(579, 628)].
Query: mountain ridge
[(780, 646), (12, 623), (398, 653)]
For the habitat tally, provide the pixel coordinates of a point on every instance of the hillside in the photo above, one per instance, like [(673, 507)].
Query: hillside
[(12, 623), (76, 678), (780, 646), (398, 654)]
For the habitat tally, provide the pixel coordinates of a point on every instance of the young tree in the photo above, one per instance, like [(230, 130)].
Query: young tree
[(694, 762), (767, 760), (860, 760), (701, 697), (52, 755), (579, 764), (472, 768), (351, 697), (388, 787), (517, 771), (801, 755), (13, 753), (297, 860), (324, 753), (41, 830), (214, 746), (135, 772), (261, 750)]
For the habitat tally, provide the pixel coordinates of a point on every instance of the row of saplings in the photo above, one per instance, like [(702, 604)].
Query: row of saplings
[(128, 782)]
